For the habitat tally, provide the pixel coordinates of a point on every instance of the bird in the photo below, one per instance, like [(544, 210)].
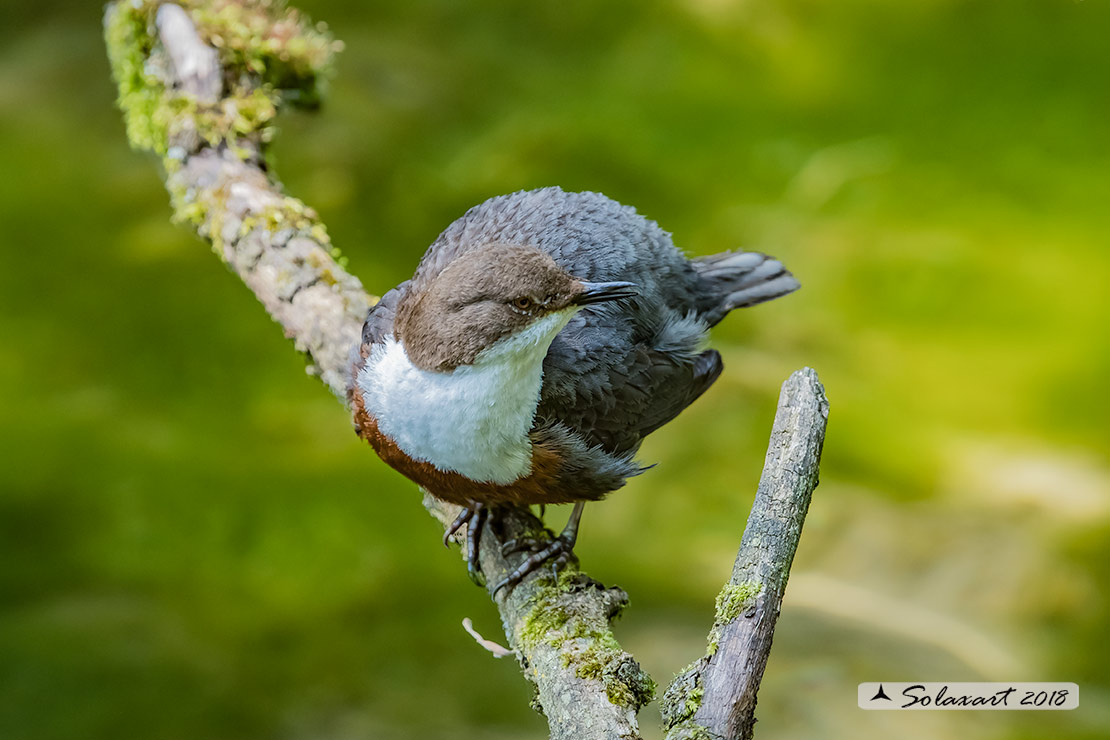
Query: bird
[(543, 335)]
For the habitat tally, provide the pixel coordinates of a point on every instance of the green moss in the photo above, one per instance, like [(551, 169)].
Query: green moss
[(643, 690), (680, 706), (734, 598), (601, 649), (693, 702), (569, 579), (278, 44), (270, 54), (242, 113), (603, 660), (292, 213), (732, 601), (634, 693), (543, 622), (200, 210), (186, 208), (588, 664), (595, 653), (139, 94), (619, 694), (691, 731)]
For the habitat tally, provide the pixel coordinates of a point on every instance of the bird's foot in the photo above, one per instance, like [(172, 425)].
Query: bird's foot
[(557, 551), (474, 516)]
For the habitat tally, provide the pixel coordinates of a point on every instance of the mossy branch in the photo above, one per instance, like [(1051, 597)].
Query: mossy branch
[(200, 84)]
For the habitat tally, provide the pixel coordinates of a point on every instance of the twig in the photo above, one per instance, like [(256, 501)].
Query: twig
[(716, 695), (497, 650)]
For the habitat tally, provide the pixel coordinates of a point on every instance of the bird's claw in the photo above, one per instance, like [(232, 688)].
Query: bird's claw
[(475, 517), (558, 551)]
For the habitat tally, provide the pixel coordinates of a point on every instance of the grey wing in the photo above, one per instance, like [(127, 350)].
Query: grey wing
[(379, 320), (378, 325), (669, 384), (613, 388)]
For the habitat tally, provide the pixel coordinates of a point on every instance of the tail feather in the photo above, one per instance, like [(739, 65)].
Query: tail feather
[(736, 279)]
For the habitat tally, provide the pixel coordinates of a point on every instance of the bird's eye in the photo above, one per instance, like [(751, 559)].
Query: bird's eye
[(523, 303)]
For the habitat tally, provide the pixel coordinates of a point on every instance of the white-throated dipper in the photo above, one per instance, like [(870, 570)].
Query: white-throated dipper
[(543, 336)]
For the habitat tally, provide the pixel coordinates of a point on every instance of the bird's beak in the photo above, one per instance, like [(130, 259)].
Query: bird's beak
[(602, 292)]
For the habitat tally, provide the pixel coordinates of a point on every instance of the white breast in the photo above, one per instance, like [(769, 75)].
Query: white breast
[(472, 420)]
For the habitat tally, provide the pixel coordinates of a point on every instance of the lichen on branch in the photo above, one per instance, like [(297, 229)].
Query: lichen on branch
[(583, 637), (269, 56)]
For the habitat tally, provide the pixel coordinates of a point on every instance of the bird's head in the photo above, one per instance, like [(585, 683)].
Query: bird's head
[(493, 301)]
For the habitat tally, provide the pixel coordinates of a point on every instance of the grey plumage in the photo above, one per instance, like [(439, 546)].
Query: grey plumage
[(620, 370)]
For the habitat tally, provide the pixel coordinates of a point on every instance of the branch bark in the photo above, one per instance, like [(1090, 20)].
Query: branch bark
[(199, 85), (716, 695)]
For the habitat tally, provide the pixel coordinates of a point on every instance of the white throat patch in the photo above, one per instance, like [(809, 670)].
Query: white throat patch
[(473, 420)]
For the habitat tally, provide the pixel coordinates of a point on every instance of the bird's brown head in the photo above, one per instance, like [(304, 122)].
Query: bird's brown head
[(486, 295)]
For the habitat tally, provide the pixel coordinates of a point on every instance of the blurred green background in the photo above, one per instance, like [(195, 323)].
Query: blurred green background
[(193, 543)]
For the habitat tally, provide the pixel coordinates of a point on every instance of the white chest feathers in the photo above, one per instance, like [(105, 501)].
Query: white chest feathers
[(473, 420)]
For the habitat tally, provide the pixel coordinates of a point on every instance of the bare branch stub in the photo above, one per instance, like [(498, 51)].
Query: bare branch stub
[(196, 66), (716, 695)]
